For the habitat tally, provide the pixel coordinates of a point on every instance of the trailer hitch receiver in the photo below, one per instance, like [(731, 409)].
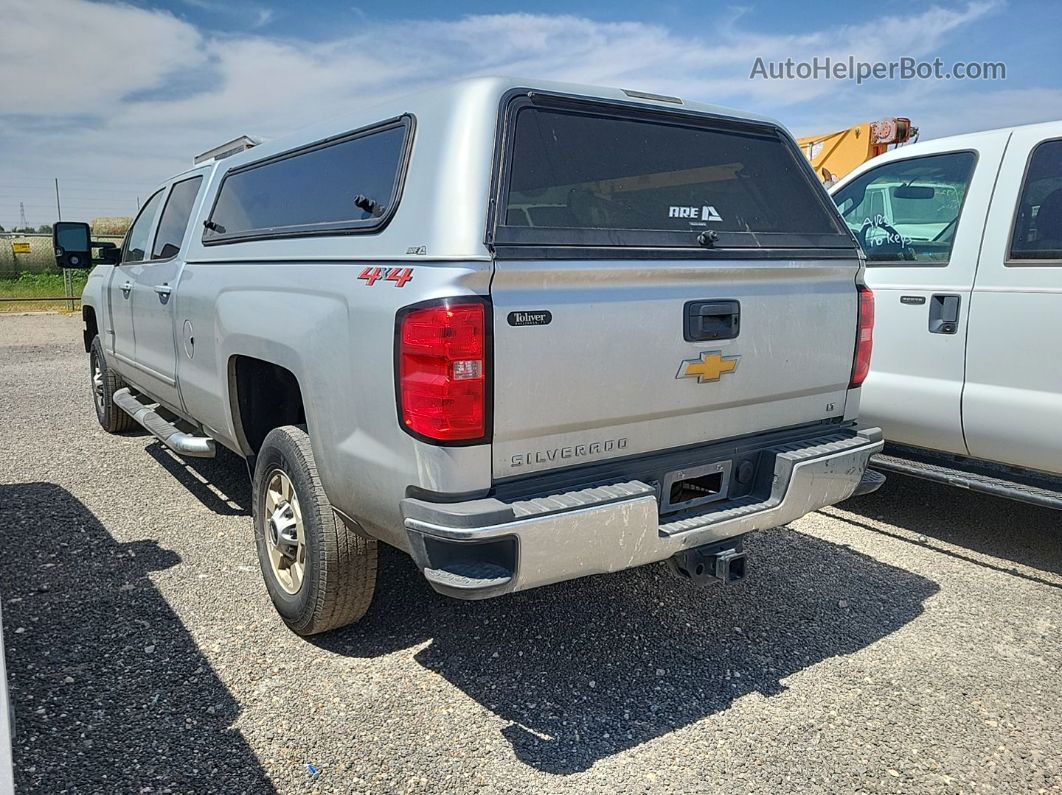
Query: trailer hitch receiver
[(722, 563)]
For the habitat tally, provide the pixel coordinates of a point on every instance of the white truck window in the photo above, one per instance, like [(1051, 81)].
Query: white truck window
[(347, 184), (1038, 225), (137, 239), (906, 212)]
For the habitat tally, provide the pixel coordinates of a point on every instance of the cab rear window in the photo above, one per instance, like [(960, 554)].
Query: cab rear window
[(580, 177)]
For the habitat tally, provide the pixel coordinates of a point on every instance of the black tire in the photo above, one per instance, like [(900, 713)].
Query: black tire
[(112, 419), (339, 570)]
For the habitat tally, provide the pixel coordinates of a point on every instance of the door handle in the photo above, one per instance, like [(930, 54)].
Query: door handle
[(711, 320), (163, 290), (126, 288), (944, 314)]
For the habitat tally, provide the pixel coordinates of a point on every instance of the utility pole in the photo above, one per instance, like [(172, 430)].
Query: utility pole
[(58, 209), (22, 214)]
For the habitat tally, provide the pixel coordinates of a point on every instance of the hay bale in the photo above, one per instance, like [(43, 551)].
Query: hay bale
[(110, 226), (7, 259)]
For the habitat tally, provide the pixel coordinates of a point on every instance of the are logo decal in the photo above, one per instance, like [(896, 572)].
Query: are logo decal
[(400, 276), (704, 213)]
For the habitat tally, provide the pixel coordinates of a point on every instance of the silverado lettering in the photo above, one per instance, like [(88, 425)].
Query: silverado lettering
[(574, 451)]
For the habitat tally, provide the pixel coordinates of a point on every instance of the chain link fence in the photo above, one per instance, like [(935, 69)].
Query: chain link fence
[(30, 280)]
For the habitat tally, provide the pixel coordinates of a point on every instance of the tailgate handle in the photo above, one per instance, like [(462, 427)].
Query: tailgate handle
[(711, 320)]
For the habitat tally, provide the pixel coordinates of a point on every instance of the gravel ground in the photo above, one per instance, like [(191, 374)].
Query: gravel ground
[(905, 641)]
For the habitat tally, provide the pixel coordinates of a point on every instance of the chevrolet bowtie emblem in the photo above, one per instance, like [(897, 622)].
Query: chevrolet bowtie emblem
[(709, 366)]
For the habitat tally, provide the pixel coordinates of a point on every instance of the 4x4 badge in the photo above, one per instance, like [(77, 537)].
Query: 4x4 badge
[(709, 366)]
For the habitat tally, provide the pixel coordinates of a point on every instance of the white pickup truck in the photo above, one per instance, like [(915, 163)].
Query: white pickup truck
[(963, 237)]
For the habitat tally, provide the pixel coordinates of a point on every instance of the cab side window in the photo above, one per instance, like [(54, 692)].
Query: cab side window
[(906, 212), (175, 218), (137, 239), (1038, 225)]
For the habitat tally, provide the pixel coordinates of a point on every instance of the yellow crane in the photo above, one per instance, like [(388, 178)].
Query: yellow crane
[(834, 154)]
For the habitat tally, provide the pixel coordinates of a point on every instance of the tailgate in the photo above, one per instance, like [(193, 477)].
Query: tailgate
[(612, 374), (620, 328)]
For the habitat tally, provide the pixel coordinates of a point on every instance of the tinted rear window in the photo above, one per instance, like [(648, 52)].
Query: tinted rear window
[(1038, 229), (350, 184), (573, 170)]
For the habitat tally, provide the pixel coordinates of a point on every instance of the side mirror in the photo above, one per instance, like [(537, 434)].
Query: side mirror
[(73, 244), (110, 254)]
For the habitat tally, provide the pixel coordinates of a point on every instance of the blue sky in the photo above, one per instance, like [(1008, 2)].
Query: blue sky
[(319, 19), (112, 98)]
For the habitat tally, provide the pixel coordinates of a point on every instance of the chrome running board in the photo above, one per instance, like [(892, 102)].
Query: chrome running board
[(164, 430)]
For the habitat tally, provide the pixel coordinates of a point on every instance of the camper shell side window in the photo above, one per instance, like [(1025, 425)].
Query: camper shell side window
[(348, 184)]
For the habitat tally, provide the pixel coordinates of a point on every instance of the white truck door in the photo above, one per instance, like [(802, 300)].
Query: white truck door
[(120, 341), (154, 288), (921, 250), (1012, 404)]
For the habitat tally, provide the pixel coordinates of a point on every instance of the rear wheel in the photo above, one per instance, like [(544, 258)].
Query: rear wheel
[(319, 572), (105, 382)]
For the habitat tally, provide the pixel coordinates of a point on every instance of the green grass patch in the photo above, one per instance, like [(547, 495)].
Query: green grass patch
[(39, 285)]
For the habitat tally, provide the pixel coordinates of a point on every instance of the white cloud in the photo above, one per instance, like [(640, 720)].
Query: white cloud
[(130, 95), (71, 56)]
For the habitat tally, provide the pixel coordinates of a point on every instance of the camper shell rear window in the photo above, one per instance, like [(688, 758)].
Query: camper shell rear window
[(631, 180), (349, 184)]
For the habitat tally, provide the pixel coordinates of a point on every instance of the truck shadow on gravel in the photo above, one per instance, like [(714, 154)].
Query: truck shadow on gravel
[(586, 669), (220, 483), (1012, 531), (109, 691)]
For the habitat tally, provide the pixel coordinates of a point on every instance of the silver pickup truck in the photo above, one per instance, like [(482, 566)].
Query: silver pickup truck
[(523, 331)]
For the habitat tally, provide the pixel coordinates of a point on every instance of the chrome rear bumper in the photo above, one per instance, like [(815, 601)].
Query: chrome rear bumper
[(482, 548)]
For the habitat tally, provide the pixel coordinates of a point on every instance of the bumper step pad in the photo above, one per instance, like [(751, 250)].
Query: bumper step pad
[(584, 498), (469, 575), (787, 456)]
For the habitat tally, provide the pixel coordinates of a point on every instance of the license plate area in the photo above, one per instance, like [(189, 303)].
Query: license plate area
[(693, 486)]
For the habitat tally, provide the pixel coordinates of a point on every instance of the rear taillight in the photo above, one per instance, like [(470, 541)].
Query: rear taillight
[(442, 362), (864, 337)]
